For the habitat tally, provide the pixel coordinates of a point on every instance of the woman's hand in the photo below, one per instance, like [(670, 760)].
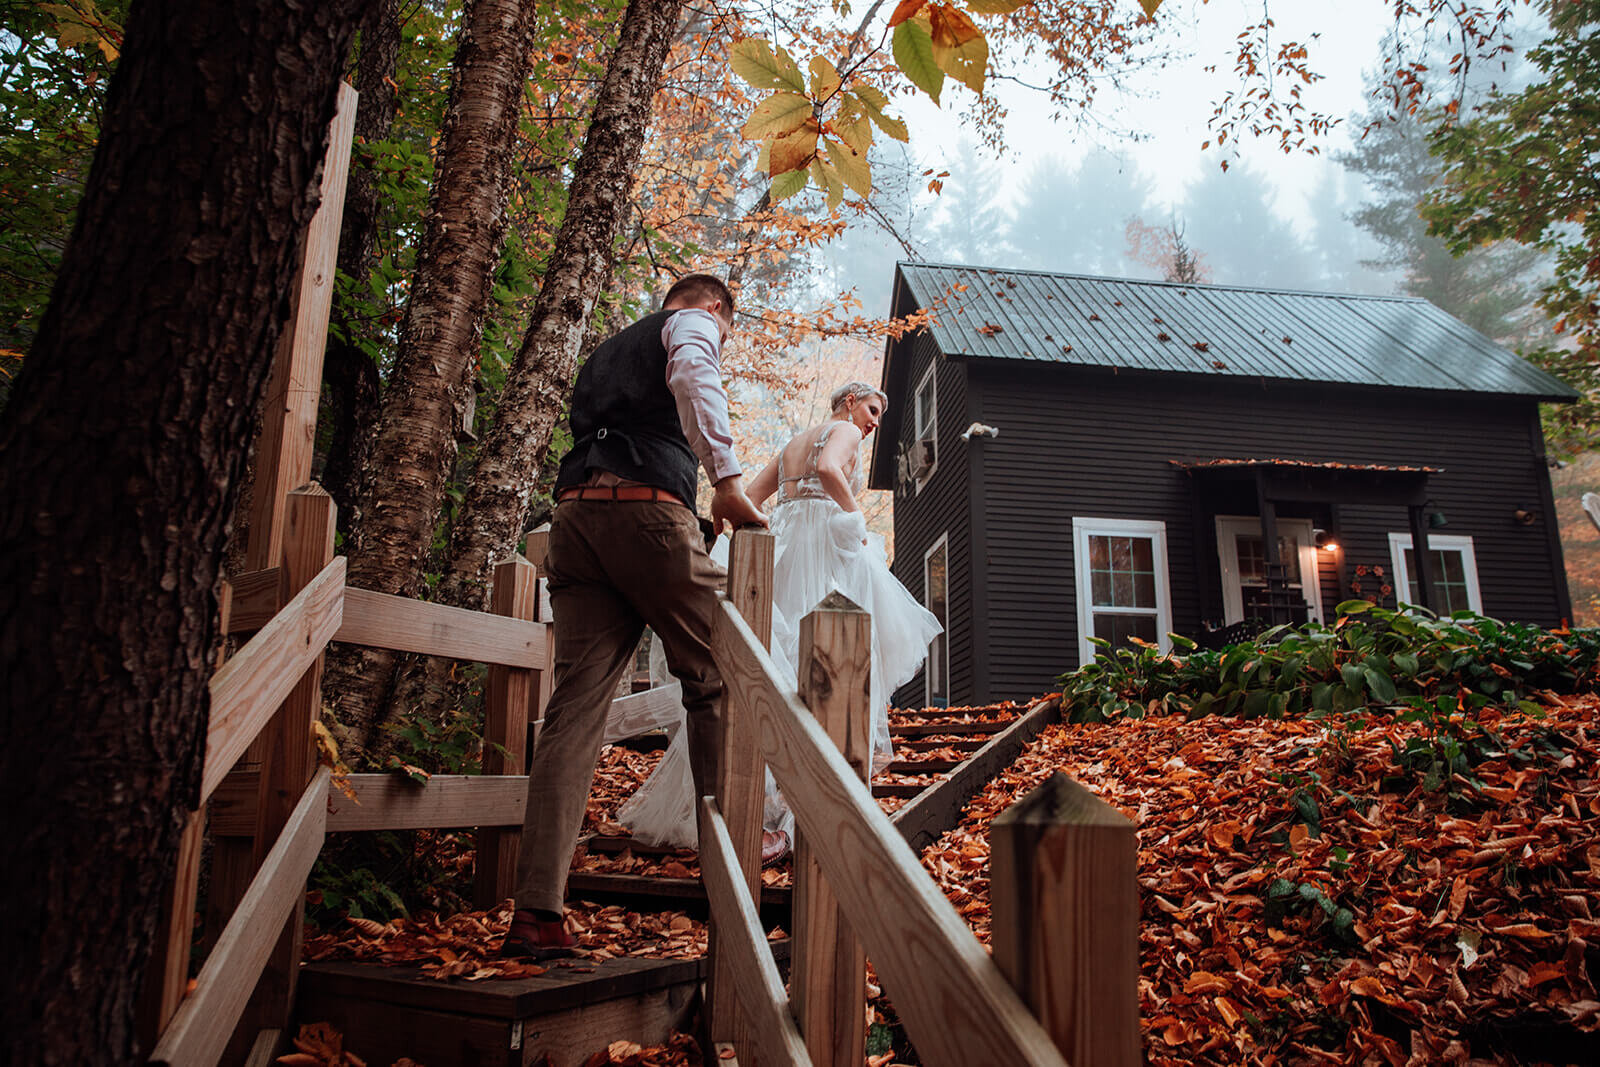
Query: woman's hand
[(847, 530)]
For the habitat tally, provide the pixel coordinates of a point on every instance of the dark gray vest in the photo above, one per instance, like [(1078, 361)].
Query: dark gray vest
[(624, 418)]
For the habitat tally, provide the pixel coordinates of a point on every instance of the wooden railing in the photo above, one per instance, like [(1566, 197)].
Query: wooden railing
[(280, 805), (1062, 986)]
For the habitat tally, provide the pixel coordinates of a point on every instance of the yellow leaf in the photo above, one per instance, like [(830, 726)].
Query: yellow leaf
[(959, 47), (997, 7), (872, 103), (853, 168), (852, 125), (754, 60), (827, 179), (779, 114), (824, 78)]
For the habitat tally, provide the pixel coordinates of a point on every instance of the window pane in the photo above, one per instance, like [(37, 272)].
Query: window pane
[(1118, 628), (1449, 579), (1099, 554), (1122, 571), (1143, 554), (937, 599)]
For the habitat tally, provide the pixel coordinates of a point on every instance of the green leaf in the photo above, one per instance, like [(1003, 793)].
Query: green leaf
[(1380, 684), (754, 60), (788, 184), (913, 54), (852, 167), (1353, 607), (779, 114)]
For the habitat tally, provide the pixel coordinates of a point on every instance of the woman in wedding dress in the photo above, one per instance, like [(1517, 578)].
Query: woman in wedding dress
[(821, 545)]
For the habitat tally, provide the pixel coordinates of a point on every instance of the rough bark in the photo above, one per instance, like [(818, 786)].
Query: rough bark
[(492, 514), (119, 454), (405, 475), (350, 376)]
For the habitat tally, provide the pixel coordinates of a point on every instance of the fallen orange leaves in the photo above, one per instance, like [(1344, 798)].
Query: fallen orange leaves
[(1472, 918)]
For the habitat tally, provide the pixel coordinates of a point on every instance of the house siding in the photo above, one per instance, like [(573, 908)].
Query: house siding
[(940, 507), (1077, 442)]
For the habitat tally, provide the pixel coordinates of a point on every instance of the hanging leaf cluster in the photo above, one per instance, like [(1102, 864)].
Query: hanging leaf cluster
[(818, 129)]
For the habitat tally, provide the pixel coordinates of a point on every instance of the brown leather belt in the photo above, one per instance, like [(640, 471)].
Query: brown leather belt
[(617, 492)]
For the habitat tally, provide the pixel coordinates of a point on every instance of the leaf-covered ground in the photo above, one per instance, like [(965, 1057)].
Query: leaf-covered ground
[(1306, 900), (1306, 895)]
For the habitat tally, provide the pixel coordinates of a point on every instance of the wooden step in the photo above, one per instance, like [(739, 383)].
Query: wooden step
[(568, 1013), (954, 729)]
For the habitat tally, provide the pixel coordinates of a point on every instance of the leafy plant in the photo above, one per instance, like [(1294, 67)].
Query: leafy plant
[(1369, 656), (1285, 897)]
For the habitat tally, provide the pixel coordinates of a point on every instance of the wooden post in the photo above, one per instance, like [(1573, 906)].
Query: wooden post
[(828, 982), (289, 758), (742, 784), (1423, 557), (289, 411), (283, 451), (1065, 919), (505, 730)]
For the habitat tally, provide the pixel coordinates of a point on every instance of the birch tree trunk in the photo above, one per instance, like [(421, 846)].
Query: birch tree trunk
[(490, 521), (406, 471), (120, 451)]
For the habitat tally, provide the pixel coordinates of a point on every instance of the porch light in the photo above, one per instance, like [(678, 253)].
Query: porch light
[(1437, 521), (1325, 540)]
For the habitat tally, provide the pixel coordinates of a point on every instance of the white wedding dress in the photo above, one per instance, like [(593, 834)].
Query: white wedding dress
[(819, 547)]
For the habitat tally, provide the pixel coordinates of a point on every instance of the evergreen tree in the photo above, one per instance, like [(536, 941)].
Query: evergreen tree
[(1231, 223), (1490, 288), (1076, 220)]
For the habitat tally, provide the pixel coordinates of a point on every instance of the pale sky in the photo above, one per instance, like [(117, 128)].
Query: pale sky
[(1171, 108)]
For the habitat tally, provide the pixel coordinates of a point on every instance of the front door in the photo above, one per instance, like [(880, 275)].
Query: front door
[(1239, 549)]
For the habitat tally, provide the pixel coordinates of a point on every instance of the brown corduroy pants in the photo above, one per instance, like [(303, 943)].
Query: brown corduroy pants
[(615, 567)]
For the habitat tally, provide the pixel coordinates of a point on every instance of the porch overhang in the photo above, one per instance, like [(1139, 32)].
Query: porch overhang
[(1327, 483), (1308, 481)]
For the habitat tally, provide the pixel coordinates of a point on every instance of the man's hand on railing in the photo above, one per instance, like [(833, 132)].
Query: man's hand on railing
[(731, 506)]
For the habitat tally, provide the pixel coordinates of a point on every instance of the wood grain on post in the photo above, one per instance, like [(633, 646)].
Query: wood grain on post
[(746, 952), (289, 410), (742, 785), (1064, 904), (829, 976), (505, 730), (289, 759), (956, 1005)]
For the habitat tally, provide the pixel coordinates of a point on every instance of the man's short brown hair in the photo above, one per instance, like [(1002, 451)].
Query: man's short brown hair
[(694, 288)]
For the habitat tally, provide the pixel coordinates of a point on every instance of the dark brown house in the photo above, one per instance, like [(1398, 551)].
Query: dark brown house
[(1075, 457)]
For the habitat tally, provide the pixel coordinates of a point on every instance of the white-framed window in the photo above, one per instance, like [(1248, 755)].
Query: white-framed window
[(925, 448), (1455, 571), (936, 598), (1123, 593)]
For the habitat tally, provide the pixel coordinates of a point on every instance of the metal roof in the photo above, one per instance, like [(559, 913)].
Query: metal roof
[(1218, 330)]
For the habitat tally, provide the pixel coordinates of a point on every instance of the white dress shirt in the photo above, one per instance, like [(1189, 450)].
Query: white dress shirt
[(693, 338)]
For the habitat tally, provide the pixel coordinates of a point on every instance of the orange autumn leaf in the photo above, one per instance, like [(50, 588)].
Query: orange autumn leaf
[(1206, 982), (950, 26), (904, 10)]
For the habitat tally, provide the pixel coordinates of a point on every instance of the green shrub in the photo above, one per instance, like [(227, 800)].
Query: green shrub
[(1370, 655)]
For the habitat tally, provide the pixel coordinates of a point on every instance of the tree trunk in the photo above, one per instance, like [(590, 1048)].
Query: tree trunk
[(350, 376), (406, 472), (119, 454), (537, 384)]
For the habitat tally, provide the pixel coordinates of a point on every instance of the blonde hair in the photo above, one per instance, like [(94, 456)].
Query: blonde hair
[(860, 390)]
